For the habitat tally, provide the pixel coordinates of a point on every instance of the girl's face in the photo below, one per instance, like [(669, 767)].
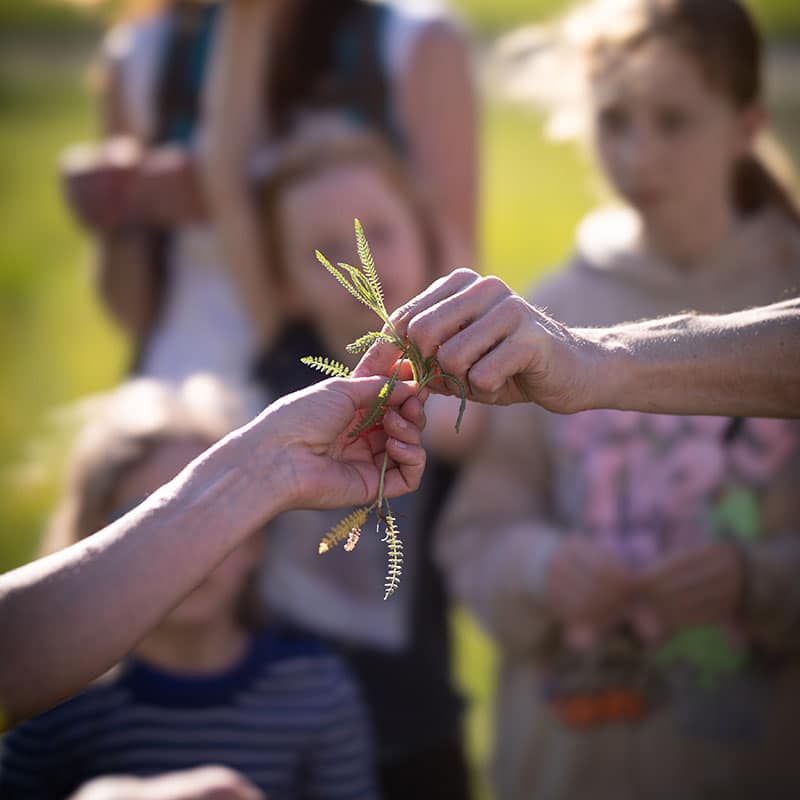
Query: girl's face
[(667, 140), (217, 596), (317, 214)]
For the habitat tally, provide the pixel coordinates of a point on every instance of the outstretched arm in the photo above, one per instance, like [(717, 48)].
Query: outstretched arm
[(67, 618), (506, 351)]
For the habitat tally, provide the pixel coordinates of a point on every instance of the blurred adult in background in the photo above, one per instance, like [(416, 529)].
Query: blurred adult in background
[(212, 683), (180, 268), (639, 571)]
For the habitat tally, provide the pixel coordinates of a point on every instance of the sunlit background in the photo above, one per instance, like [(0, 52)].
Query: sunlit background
[(55, 343)]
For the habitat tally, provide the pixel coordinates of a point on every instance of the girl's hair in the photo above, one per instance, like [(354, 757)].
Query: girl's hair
[(320, 145), (124, 429), (304, 64), (722, 39)]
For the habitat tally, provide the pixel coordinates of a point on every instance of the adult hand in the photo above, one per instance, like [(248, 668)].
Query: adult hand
[(306, 444), (588, 588), (696, 586), (501, 348), (202, 783), (167, 191), (97, 180), (116, 184)]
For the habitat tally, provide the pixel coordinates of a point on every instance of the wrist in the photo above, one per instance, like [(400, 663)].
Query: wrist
[(606, 366)]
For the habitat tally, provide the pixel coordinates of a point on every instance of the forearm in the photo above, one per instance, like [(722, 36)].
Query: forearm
[(67, 618), (742, 364)]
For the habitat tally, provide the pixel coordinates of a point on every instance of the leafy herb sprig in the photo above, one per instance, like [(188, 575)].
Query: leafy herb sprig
[(363, 283)]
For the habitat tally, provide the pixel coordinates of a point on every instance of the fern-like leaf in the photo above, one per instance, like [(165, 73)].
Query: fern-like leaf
[(394, 545), (463, 404), (343, 529), (364, 287), (342, 280), (328, 366), (363, 343), (379, 405), (368, 263)]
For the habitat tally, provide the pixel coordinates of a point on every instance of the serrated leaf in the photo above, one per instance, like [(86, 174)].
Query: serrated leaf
[(363, 287), (394, 545), (363, 343), (463, 404), (328, 366), (341, 531), (378, 406), (368, 263), (341, 279)]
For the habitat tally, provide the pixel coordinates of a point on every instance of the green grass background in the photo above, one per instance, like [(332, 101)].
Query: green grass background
[(55, 343)]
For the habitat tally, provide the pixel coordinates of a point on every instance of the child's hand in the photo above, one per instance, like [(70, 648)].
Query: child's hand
[(203, 783), (588, 588), (696, 586)]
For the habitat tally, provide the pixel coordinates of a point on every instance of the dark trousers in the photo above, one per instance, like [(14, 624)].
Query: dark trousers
[(439, 774)]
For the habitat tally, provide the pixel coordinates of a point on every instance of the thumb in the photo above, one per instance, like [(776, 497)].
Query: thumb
[(363, 391), (380, 359)]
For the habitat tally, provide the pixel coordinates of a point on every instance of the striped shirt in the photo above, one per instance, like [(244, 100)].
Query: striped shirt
[(287, 716)]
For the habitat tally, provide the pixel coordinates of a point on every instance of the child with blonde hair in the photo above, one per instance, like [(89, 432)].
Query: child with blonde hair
[(212, 699)]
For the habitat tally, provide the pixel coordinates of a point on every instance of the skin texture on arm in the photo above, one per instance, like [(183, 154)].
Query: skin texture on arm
[(506, 351), (67, 618), (745, 364)]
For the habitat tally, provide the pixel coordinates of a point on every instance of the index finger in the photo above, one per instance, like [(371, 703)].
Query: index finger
[(439, 290)]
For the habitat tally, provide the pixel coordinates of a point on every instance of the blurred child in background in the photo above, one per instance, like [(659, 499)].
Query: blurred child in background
[(640, 572), (403, 72), (326, 175), (211, 684)]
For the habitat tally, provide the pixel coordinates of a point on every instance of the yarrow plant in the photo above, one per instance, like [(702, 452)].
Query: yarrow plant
[(363, 283)]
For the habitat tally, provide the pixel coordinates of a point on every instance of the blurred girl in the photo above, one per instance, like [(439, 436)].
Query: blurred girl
[(399, 649), (401, 72), (210, 685), (639, 572)]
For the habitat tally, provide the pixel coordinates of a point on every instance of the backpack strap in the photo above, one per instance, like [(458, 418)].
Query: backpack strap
[(183, 69), (360, 84), (177, 103)]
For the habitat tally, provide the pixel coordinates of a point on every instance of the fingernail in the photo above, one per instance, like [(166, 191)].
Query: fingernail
[(402, 421)]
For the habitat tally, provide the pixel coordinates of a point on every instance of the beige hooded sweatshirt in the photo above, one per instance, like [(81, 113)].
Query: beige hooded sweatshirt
[(720, 714)]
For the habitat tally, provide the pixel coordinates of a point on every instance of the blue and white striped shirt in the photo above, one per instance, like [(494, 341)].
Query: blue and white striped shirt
[(288, 717)]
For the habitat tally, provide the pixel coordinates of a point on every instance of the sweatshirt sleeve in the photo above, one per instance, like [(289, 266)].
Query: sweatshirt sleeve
[(496, 538)]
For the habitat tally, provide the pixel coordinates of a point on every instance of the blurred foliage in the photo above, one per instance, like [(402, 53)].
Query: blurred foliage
[(778, 18)]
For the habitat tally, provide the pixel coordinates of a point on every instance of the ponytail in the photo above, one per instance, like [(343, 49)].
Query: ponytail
[(763, 180)]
